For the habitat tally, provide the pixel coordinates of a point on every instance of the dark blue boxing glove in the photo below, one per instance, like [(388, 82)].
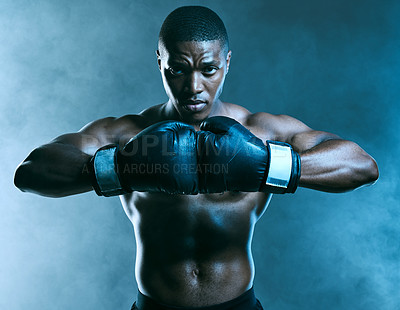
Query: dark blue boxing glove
[(231, 158), (161, 158)]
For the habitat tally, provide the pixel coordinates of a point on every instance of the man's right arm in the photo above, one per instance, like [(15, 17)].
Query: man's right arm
[(60, 168)]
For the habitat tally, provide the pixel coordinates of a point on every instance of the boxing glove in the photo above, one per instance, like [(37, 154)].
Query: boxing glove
[(231, 158), (161, 158)]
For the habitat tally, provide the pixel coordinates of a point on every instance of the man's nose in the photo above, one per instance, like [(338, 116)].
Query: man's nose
[(194, 83)]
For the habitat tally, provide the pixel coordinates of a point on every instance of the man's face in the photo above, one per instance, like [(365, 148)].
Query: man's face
[(193, 75)]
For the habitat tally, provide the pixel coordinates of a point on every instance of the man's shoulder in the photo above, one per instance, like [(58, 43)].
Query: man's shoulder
[(258, 119), (236, 112), (110, 130), (265, 120), (155, 109), (129, 121), (110, 124), (274, 127)]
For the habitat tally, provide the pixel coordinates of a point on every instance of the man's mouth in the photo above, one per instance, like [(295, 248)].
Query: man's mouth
[(194, 105)]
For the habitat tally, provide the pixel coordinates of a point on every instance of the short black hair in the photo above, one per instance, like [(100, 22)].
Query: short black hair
[(193, 23)]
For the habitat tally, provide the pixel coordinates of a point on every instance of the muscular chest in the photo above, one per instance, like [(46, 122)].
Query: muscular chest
[(204, 218)]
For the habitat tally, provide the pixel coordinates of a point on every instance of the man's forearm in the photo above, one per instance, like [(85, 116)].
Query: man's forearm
[(337, 166), (54, 170)]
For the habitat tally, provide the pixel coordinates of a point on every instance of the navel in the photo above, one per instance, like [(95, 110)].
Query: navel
[(196, 272)]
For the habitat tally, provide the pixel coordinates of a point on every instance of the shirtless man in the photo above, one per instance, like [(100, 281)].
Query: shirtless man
[(194, 238)]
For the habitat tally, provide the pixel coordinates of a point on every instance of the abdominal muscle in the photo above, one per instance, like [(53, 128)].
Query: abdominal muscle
[(194, 250)]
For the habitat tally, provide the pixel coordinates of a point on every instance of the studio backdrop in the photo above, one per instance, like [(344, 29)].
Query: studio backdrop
[(335, 65)]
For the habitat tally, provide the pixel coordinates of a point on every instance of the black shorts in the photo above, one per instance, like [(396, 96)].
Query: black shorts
[(246, 301)]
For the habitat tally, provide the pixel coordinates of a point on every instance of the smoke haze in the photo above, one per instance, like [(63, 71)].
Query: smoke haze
[(334, 65)]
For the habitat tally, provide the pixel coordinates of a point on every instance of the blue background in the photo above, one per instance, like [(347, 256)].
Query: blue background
[(335, 65)]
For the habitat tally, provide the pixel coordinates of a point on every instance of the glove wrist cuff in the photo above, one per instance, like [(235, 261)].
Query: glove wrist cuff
[(283, 172), (105, 170)]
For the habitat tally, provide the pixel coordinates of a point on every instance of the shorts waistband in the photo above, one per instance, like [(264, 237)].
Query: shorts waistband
[(243, 302)]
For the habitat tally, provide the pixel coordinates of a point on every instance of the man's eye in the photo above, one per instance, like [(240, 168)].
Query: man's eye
[(210, 70), (175, 71)]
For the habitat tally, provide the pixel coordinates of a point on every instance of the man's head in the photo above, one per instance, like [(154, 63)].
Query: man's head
[(193, 23), (193, 57)]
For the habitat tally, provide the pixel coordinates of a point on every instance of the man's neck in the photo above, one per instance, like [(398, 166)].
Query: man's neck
[(218, 108)]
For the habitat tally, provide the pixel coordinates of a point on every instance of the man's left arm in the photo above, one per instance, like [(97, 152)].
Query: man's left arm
[(328, 162)]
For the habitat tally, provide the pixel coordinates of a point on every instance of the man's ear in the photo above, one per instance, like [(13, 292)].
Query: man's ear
[(158, 59), (228, 60)]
